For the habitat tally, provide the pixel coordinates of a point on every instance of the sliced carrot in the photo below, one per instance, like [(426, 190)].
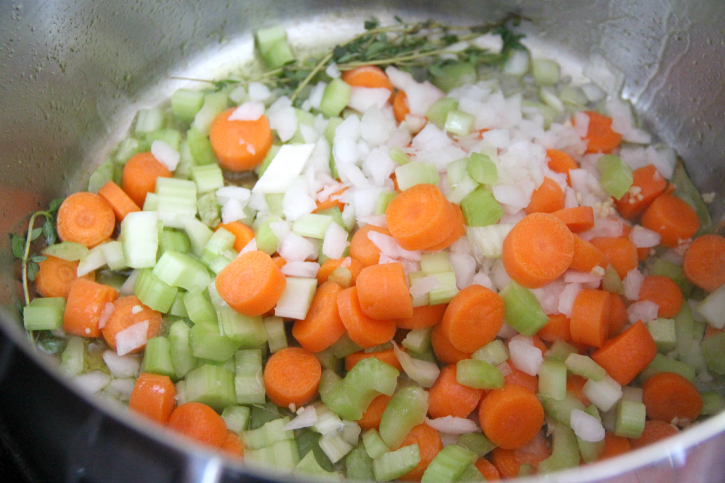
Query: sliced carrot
[(388, 356), (704, 263), (558, 328), (620, 252), (487, 469), (369, 76), (618, 316), (429, 445), (575, 385), (664, 292), (332, 264), (538, 250), (128, 311), (372, 416), (420, 217), (331, 202), (200, 422), (322, 326), (615, 445), (669, 396), (590, 317), (55, 277), (444, 351), (511, 417), (423, 317), (153, 396), (292, 376), (240, 145), (118, 200), (600, 136), (647, 184), (85, 218), (672, 218), (279, 261), (400, 106), (232, 446), (628, 354), (242, 233), (363, 330), (587, 256), (516, 377), (383, 292), (654, 431), (578, 219), (459, 229), (140, 174), (561, 162), (448, 397), (252, 284), (547, 198), (506, 461), (473, 318), (86, 301), (363, 249)]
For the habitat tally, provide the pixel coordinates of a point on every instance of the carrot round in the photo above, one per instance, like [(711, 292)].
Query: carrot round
[(647, 184), (487, 469), (668, 395), (387, 356), (153, 396), (558, 328), (600, 136), (363, 330), (620, 252), (363, 249), (322, 326), (85, 218), (332, 264), (240, 145), (628, 354), (516, 377), (561, 162), (548, 198), (575, 386), (587, 256), (447, 397), (538, 250), (55, 277), (459, 229), (200, 422), (615, 445), (511, 417), (672, 218), (444, 351), (473, 318), (139, 176), (86, 301), (252, 284), (123, 317), (242, 233), (383, 292), (372, 416), (704, 263), (578, 219), (506, 461), (429, 444), (423, 317), (232, 446), (590, 317), (369, 76), (664, 292), (420, 217), (118, 200), (618, 316), (400, 106), (292, 376), (654, 430)]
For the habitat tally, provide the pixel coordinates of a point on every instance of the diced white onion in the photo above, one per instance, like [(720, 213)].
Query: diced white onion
[(233, 193), (258, 91), (424, 285), (390, 247), (644, 238), (284, 121), (165, 154), (136, 309), (375, 220), (525, 356), (335, 241), (504, 368), (122, 366), (452, 425), (249, 111), (464, 267), (132, 338), (363, 98), (644, 311), (633, 284), (424, 373), (232, 210), (295, 248), (301, 269), (332, 70), (586, 427), (92, 382), (105, 314), (250, 247), (306, 417), (568, 295), (120, 389), (572, 276), (603, 394)]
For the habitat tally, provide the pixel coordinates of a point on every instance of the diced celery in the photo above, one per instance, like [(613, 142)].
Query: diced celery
[(140, 238), (406, 409), (270, 433), (459, 123), (549, 97), (44, 313), (662, 363), (688, 192), (186, 103), (72, 361), (456, 74), (712, 403), (565, 452), (523, 311), (546, 72), (395, 464), (276, 336), (265, 238), (336, 215), (248, 383), (214, 104), (712, 308), (309, 465), (335, 447), (479, 374), (297, 298), (309, 442), (153, 292), (128, 148), (263, 413), (358, 465), (149, 120), (344, 347), (431, 263), (102, 175), (420, 300), (157, 357), (384, 200), (630, 419), (207, 177), (398, 155), (335, 97), (273, 47), (412, 174), (674, 272), (560, 410), (236, 417), (199, 234), (476, 442), (113, 253), (480, 208), (69, 251), (604, 394), (200, 309), (93, 261), (616, 176), (552, 379), (481, 169), (207, 343), (328, 360), (495, 353), (180, 270), (456, 172), (181, 356), (418, 340), (211, 385), (172, 137), (591, 450), (311, 225), (151, 203), (663, 333), (464, 188), (275, 203), (374, 444), (178, 308), (219, 243), (200, 147), (446, 289), (449, 464), (438, 112), (573, 96), (247, 331), (584, 366)]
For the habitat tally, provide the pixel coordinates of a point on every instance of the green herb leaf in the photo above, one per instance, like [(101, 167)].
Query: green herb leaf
[(38, 258), (18, 246), (35, 233), (33, 269), (55, 204), (49, 231)]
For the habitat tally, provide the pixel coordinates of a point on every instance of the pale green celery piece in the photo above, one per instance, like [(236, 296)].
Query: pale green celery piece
[(560, 350), (210, 212), (565, 452), (149, 120), (69, 251), (450, 76), (546, 72), (560, 410), (495, 353), (480, 208), (276, 336), (411, 174), (181, 356), (102, 175), (421, 299), (552, 379), (185, 103), (418, 340), (611, 281), (447, 289), (616, 175), (630, 419), (397, 155), (406, 409), (438, 112), (712, 403), (236, 418), (478, 374), (157, 357), (663, 332), (211, 385), (395, 464), (476, 442), (523, 311), (482, 169), (459, 123), (44, 313), (688, 192), (674, 272), (383, 201), (335, 97), (431, 263), (584, 366), (172, 137), (200, 147), (449, 464), (344, 347)]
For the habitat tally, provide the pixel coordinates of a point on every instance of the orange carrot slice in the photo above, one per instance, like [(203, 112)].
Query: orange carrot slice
[(85, 218)]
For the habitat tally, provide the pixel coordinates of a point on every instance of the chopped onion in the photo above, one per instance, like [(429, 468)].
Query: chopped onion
[(306, 417), (581, 124), (390, 247), (332, 70), (375, 220), (301, 269), (122, 366), (424, 285), (572, 276), (644, 311), (284, 121), (135, 309), (586, 427), (504, 368), (120, 389), (603, 394), (165, 154), (462, 245), (452, 425), (424, 373), (249, 111), (250, 247), (233, 193), (280, 229), (127, 287), (335, 241), (568, 295), (105, 314), (92, 382), (363, 98), (295, 248), (483, 280), (464, 266), (644, 238), (132, 338), (316, 94), (232, 210), (258, 91), (633, 284), (525, 356), (297, 202)]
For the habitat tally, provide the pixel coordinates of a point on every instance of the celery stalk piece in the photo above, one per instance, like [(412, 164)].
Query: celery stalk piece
[(172, 137), (220, 242), (69, 251), (248, 331), (630, 419), (199, 234), (44, 313), (170, 239), (688, 192), (406, 409), (604, 394), (438, 112), (418, 340), (663, 333), (153, 292), (102, 175), (712, 349), (344, 347), (412, 174), (560, 350), (358, 465), (662, 363), (186, 103), (336, 215), (487, 241), (712, 403), (335, 447), (297, 298), (395, 464), (611, 281), (268, 434), (384, 200), (546, 72), (181, 356), (181, 270), (200, 147), (207, 343), (560, 410), (456, 74), (276, 336), (335, 97), (616, 176), (591, 451), (200, 309), (127, 149), (236, 417), (275, 202), (207, 177), (214, 103), (495, 353), (93, 261), (309, 465), (523, 311), (584, 366), (476, 442), (398, 155), (420, 300), (273, 47), (328, 360), (449, 464), (431, 263), (459, 123), (374, 444), (480, 208), (176, 199), (140, 238), (552, 379), (445, 291), (72, 360), (113, 253), (149, 120), (712, 308), (264, 236), (157, 357), (482, 169), (248, 383), (211, 385), (565, 453), (462, 189), (311, 225), (479, 374)]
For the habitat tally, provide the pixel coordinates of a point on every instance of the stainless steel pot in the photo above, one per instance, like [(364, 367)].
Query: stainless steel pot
[(74, 72)]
